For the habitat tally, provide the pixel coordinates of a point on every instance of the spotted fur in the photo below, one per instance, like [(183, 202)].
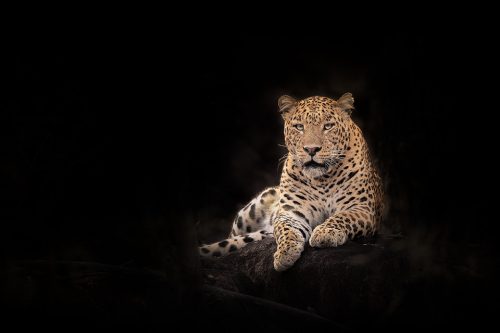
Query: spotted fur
[(329, 189)]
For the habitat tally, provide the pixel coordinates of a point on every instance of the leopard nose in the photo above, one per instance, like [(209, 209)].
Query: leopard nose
[(312, 150)]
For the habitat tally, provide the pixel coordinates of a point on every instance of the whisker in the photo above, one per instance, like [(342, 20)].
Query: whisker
[(281, 162)]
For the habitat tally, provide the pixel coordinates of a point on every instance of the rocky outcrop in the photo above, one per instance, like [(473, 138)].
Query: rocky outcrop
[(392, 284), (387, 284), (344, 283)]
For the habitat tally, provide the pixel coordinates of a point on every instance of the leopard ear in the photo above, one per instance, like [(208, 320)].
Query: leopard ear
[(286, 105), (346, 103)]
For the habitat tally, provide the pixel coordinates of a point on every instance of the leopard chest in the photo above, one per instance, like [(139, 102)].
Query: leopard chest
[(314, 201)]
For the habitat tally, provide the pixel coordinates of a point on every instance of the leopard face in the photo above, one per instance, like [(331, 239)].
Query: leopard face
[(316, 132)]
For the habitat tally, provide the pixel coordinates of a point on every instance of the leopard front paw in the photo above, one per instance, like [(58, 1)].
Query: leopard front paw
[(286, 255), (324, 236)]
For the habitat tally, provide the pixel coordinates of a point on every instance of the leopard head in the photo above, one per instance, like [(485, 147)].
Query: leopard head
[(316, 131)]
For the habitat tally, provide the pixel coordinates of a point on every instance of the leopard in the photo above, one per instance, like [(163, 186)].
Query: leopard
[(329, 191)]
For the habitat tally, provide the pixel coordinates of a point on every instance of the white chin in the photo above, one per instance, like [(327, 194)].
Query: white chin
[(313, 172)]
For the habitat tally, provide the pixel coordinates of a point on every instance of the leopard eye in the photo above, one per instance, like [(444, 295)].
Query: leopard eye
[(299, 127), (328, 126)]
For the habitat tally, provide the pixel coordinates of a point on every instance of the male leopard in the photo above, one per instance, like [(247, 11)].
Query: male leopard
[(329, 189)]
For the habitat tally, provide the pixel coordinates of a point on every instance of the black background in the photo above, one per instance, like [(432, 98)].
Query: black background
[(131, 152)]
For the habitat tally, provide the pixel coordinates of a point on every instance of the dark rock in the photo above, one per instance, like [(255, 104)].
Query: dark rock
[(331, 282), (387, 285), (359, 285), (253, 314), (88, 296)]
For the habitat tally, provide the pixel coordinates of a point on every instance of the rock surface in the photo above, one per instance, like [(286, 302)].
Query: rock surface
[(332, 282), (359, 285), (392, 284), (87, 296)]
